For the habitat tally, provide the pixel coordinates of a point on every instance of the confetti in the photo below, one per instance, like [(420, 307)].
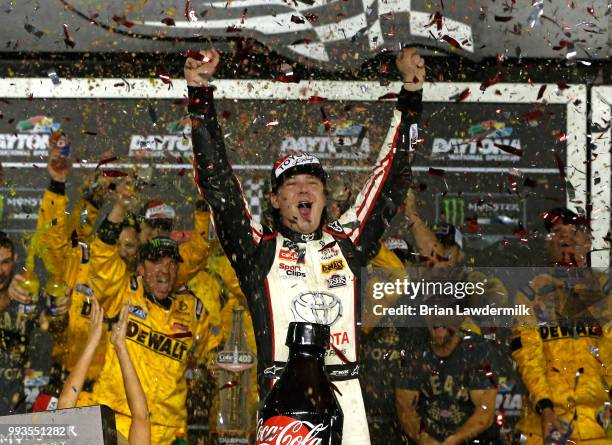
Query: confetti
[(165, 78), (452, 42), (541, 92), (493, 80), (534, 17), (436, 171), (153, 115), (229, 384), (436, 20), (510, 149), (316, 99), (106, 161), (168, 21), (388, 96), (67, 39), (325, 120), (34, 31), (54, 77), (123, 21), (296, 19), (460, 97), (113, 174), (499, 18)]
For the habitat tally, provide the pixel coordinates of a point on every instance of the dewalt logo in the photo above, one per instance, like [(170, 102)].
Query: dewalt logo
[(454, 210), (156, 341)]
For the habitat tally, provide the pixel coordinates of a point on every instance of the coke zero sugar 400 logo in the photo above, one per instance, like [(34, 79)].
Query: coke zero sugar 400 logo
[(284, 430), (31, 137)]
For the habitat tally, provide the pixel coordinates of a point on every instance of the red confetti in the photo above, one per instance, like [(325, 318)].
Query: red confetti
[(560, 165), (165, 78), (473, 224), (168, 21), (591, 11), (388, 96), (113, 174), (312, 18), (233, 28), (436, 171), (462, 96), (67, 39), (541, 92), (436, 20), (452, 42), (325, 120), (520, 232), (561, 136), (182, 335), (510, 149), (106, 161), (493, 80), (562, 85), (288, 78), (123, 21), (182, 172), (503, 18), (296, 19), (316, 99), (229, 384)]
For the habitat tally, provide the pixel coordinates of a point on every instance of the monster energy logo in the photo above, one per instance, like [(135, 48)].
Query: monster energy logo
[(454, 209)]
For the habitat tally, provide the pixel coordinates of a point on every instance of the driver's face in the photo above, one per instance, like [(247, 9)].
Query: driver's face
[(300, 201), (568, 245)]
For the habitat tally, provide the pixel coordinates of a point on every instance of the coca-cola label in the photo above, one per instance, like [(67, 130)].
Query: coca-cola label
[(284, 430)]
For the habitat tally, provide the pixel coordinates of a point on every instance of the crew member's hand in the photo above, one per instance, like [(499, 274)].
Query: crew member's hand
[(117, 337), (550, 422), (198, 73), (410, 204), (58, 165), (62, 305), (96, 323), (412, 68), (18, 293)]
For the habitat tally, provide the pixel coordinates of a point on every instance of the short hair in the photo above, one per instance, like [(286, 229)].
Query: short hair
[(7, 243)]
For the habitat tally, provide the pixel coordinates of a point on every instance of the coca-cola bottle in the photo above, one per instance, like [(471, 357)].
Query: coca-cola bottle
[(301, 407)]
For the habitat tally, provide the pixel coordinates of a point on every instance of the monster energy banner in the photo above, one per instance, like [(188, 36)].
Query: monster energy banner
[(490, 170)]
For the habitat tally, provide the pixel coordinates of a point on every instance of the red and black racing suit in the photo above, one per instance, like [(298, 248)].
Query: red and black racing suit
[(289, 276)]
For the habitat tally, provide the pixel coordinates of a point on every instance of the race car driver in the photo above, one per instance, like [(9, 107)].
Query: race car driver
[(166, 329), (304, 257), (558, 356)]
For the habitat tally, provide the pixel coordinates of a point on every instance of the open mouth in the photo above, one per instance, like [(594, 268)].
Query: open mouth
[(305, 209)]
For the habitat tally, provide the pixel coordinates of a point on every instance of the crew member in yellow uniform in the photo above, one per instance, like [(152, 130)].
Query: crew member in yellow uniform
[(558, 354), (66, 257), (167, 329)]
